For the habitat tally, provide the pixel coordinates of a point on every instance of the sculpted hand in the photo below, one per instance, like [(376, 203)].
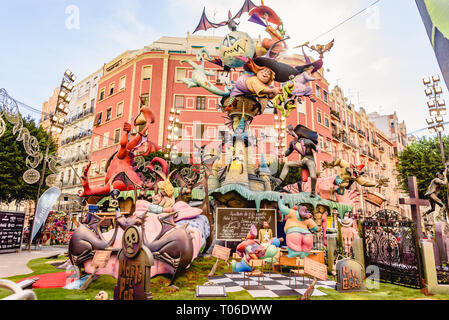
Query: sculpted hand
[(277, 91), (383, 182), (328, 165), (168, 210)]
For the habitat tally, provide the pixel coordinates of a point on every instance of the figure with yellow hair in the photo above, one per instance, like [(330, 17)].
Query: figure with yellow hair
[(164, 195)]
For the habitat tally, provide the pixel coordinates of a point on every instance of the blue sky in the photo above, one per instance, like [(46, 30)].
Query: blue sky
[(379, 57)]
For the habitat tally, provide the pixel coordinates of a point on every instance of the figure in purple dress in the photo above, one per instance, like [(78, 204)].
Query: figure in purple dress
[(301, 87), (301, 80)]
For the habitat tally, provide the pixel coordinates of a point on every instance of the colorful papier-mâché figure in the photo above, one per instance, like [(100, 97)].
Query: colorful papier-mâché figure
[(348, 234), (265, 234), (298, 229), (264, 15), (252, 249), (349, 174), (206, 24), (433, 192), (301, 80), (256, 82), (199, 75), (114, 205), (305, 143)]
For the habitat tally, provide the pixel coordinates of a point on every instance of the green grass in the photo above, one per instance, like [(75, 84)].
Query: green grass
[(197, 275)]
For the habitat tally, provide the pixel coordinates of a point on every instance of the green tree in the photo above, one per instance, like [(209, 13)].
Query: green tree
[(421, 159), (13, 163)]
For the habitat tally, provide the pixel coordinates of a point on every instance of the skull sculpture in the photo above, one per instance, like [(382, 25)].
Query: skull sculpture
[(102, 295), (132, 241)]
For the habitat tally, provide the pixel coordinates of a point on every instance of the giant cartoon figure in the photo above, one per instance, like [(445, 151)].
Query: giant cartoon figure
[(236, 43), (252, 249), (264, 15), (120, 173), (199, 75), (298, 229), (305, 143), (349, 174)]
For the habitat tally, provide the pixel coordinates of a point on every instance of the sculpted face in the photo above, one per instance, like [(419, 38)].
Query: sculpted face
[(264, 75), (157, 198), (131, 241), (236, 44)]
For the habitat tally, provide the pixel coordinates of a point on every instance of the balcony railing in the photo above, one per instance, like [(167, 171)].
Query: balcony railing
[(75, 159), (80, 115), (74, 138), (335, 114), (352, 144), (360, 132), (352, 127)]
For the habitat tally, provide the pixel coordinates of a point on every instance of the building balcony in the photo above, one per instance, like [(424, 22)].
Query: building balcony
[(381, 149), (383, 166), (335, 114), (364, 153), (75, 159), (361, 133), (77, 137), (80, 115), (336, 136), (352, 144), (352, 127)]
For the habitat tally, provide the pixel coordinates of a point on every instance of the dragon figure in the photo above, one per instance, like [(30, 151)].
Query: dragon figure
[(120, 173), (349, 174), (199, 75)]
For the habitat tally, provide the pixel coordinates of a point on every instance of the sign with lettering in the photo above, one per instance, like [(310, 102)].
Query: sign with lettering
[(221, 252), (350, 276), (315, 269), (374, 198), (135, 261), (11, 229), (233, 224)]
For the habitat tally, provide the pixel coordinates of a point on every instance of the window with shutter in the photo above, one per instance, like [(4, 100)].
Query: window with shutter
[(146, 73), (116, 136), (180, 74), (200, 103), (120, 109), (98, 119), (179, 102), (122, 83)]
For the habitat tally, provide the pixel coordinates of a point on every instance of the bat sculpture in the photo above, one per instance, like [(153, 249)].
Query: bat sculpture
[(206, 24)]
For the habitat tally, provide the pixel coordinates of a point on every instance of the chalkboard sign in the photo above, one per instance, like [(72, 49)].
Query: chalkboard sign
[(233, 224), (11, 228)]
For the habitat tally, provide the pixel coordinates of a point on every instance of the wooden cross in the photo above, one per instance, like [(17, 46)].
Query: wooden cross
[(415, 204)]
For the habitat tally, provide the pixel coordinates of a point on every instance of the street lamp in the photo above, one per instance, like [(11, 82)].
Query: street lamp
[(437, 109), (57, 122)]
